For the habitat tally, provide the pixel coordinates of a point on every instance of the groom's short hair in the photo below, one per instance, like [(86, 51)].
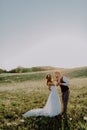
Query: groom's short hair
[(57, 73)]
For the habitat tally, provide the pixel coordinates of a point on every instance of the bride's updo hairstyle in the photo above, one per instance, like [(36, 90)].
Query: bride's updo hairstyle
[(49, 78)]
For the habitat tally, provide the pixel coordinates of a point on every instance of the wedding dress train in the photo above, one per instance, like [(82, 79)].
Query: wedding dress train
[(52, 107)]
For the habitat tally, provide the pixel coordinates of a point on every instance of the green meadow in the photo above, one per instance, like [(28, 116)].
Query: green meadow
[(20, 92)]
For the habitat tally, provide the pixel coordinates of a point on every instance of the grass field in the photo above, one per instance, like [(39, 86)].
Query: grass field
[(22, 92)]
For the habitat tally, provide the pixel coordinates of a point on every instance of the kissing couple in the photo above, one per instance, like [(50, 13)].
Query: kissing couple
[(53, 104)]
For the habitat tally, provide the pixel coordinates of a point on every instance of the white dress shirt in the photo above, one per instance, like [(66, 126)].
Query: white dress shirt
[(65, 79)]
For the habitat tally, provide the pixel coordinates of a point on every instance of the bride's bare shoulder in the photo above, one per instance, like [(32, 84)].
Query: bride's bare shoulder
[(50, 83)]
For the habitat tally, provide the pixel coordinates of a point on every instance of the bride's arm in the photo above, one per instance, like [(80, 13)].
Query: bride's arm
[(49, 84)]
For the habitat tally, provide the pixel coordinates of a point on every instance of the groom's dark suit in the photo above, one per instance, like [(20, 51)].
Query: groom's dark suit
[(64, 85)]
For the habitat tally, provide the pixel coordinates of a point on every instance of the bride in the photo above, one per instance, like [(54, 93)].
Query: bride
[(53, 105)]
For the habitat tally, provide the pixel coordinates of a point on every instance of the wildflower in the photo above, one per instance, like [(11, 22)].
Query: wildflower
[(85, 118), (22, 120), (16, 116), (13, 112), (9, 124), (14, 123), (70, 119)]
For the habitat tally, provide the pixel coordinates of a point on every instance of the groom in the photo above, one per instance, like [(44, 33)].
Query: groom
[(63, 82)]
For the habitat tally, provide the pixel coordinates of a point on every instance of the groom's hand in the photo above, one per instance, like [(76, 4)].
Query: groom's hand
[(57, 84)]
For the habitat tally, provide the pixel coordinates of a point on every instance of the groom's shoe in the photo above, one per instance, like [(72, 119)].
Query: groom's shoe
[(58, 117), (63, 114)]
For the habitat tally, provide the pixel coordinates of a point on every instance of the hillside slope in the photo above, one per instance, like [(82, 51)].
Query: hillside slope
[(18, 77), (76, 72)]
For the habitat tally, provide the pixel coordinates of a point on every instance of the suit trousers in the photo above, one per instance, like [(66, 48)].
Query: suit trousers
[(65, 98)]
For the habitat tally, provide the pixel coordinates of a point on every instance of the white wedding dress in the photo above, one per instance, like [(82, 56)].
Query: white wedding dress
[(52, 107)]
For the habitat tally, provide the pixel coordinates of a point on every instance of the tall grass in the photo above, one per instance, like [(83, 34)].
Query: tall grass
[(22, 92)]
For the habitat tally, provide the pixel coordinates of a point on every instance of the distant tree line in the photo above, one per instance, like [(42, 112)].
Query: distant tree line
[(25, 70), (2, 71)]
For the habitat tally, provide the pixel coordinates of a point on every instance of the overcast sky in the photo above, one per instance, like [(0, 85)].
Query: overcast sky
[(42, 33)]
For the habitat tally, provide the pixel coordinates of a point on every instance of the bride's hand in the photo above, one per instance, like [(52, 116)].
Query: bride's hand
[(51, 84), (49, 87)]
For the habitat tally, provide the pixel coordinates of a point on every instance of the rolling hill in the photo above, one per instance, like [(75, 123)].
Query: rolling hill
[(41, 73)]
